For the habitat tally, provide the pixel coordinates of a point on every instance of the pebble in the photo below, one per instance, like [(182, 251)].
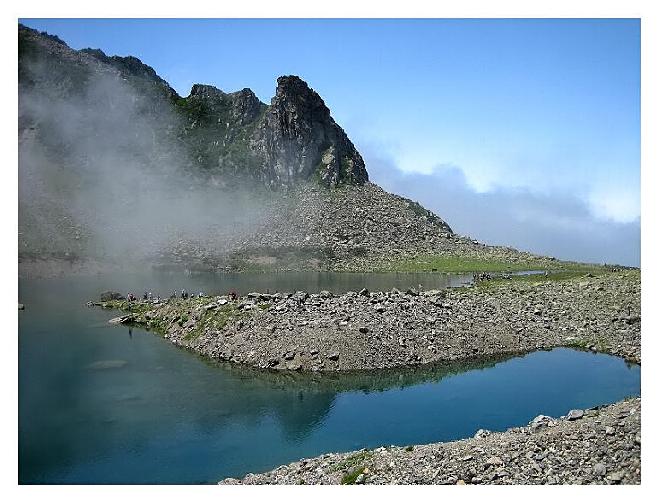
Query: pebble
[(575, 414)]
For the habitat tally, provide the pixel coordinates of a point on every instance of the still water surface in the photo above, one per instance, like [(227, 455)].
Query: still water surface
[(100, 405)]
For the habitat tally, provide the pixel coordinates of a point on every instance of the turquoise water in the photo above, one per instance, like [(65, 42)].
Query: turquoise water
[(100, 405)]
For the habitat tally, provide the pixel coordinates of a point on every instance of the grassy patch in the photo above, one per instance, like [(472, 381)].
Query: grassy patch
[(350, 461), (457, 264), (527, 279), (466, 264), (600, 345), (214, 321), (351, 477)]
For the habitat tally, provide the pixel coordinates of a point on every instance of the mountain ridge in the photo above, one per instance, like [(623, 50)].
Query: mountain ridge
[(253, 185), (230, 135)]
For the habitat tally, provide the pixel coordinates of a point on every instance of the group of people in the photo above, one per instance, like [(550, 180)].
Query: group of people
[(184, 294), (148, 296)]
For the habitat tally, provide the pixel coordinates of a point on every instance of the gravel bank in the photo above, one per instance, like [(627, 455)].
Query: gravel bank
[(596, 446), (362, 330)]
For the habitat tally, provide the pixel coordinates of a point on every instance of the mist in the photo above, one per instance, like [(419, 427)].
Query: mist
[(102, 174), (556, 225)]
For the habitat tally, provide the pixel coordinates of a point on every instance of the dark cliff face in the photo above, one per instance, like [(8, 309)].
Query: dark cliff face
[(302, 141), (229, 138)]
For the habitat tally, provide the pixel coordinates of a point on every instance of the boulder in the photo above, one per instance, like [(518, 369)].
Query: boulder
[(111, 296), (575, 414)]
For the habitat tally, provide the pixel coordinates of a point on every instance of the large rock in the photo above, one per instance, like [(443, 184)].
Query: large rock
[(111, 296), (300, 140)]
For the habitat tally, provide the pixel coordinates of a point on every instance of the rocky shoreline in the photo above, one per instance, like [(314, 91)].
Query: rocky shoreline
[(355, 331), (596, 446)]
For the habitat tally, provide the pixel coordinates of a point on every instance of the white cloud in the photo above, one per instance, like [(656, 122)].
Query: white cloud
[(618, 205), (555, 222)]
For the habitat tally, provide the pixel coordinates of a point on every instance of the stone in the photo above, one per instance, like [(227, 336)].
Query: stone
[(21, 306), (575, 414), (111, 296), (300, 296), (334, 356), (599, 469), (616, 477), (363, 330), (124, 319), (364, 292), (494, 461), (540, 421)]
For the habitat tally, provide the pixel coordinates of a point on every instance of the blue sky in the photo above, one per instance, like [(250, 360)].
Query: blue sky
[(545, 112)]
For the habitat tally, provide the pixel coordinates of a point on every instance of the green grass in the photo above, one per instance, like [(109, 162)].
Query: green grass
[(351, 477), (351, 461), (214, 321), (461, 264), (456, 264), (527, 279), (600, 345), (210, 320)]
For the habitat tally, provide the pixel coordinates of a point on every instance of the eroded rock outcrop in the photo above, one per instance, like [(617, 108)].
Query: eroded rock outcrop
[(301, 141)]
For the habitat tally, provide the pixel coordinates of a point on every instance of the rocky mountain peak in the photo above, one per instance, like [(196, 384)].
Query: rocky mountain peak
[(296, 100), (206, 91), (302, 141)]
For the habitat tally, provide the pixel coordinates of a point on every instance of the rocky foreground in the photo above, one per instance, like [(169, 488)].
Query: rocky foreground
[(596, 446), (361, 330)]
